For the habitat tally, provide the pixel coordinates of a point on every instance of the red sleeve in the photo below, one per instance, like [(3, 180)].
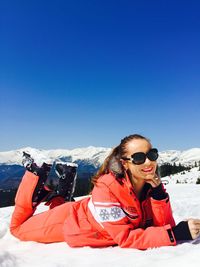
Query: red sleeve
[(162, 212), (127, 237)]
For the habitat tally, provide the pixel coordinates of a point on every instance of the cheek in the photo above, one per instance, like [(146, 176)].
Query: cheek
[(155, 164), (137, 169), (134, 169)]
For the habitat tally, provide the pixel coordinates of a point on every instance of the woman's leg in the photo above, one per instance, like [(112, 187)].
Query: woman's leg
[(45, 227)]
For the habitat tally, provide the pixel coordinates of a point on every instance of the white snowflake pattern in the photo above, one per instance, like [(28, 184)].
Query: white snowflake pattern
[(115, 212), (104, 214)]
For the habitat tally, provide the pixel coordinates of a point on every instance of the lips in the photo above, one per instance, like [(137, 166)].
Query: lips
[(147, 170)]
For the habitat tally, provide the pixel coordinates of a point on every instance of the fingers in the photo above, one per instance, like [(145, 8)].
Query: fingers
[(154, 180), (194, 227), (194, 222)]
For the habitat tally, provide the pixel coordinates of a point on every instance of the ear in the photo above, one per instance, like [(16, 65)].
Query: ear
[(124, 164)]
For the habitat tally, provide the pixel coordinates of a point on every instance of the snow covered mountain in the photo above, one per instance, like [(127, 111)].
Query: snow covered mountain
[(94, 155), (186, 157), (89, 160)]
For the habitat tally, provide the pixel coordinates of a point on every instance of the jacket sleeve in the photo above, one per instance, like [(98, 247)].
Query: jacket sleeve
[(109, 214), (161, 209), (162, 212)]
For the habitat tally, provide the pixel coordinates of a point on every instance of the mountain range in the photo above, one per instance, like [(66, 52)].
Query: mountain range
[(88, 159)]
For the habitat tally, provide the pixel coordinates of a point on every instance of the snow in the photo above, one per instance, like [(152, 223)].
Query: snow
[(93, 154), (96, 154), (184, 177), (185, 199)]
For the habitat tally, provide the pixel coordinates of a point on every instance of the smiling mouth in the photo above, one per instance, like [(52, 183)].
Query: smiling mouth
[(147, 170)]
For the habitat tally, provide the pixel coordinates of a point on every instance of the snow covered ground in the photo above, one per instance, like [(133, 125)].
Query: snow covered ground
[(184, 177), (185, 200)]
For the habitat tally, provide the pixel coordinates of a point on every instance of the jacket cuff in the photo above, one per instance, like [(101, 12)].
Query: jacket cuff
[(158, 192), (170, 233), (181, 231)]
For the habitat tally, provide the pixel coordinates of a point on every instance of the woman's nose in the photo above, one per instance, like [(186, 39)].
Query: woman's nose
[(147, 161)]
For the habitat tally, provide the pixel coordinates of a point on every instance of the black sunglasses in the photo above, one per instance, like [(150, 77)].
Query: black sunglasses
[(140, 157)]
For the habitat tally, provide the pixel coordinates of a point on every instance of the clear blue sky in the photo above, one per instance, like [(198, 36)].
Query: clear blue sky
[(79, 73)]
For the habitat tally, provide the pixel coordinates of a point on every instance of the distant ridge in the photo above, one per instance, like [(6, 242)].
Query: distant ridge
[(94, 155)]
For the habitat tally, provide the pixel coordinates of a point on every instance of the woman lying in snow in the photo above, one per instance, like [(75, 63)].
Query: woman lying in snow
[(128, 205)]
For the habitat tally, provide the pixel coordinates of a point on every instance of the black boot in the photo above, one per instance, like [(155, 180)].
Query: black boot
[(41, 191), (67, 173), (30, 165)]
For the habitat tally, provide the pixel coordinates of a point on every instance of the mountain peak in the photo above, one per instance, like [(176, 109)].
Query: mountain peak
[(93, 154)]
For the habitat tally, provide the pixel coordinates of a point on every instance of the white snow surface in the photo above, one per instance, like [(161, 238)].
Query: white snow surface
[(185, 200), (184, 177)]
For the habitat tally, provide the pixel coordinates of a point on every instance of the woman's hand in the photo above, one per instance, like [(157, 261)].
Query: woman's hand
[(153, 180), (194, 227)]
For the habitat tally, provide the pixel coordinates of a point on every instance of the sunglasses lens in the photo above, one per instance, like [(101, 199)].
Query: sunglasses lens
[(152, 154), (138, 158)]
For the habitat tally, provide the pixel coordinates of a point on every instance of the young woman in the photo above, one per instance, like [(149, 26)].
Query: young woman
[(128, 206)]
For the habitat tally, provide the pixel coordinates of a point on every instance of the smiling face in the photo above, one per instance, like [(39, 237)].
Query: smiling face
[(139, 171)]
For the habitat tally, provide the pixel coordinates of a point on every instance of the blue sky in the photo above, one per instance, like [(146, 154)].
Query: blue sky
[(79, 73)]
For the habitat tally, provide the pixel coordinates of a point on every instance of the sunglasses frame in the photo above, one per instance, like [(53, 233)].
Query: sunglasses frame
[(155, 150)]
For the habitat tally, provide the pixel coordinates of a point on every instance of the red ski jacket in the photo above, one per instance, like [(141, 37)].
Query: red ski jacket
[(113, 215)]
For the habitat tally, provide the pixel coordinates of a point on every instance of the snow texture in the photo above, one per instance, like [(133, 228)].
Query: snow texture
[(185, 199), (95, 155)]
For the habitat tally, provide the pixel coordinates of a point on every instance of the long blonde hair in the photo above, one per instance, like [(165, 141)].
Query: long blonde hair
[(113, 162)]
